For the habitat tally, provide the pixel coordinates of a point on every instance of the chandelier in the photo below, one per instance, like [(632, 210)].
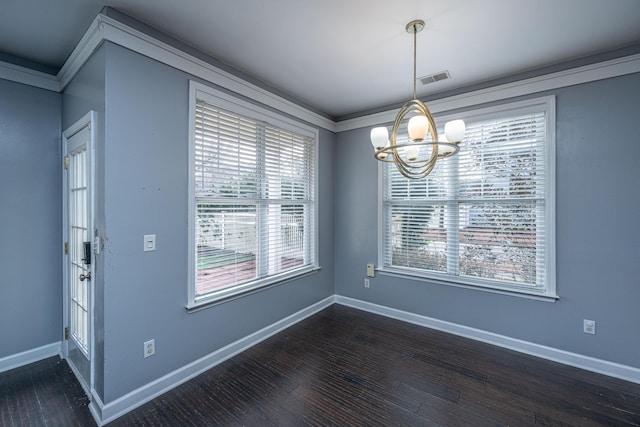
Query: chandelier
[(412, 160)]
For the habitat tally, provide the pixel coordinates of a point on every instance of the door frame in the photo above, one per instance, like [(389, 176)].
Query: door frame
[(88, 119)]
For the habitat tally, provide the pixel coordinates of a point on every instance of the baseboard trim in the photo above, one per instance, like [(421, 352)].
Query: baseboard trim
[(105, 413), (30, 356), (95, 407), (616, 370)]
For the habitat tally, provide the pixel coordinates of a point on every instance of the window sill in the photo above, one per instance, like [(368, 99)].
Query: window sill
[(522, 293), (232, 294)]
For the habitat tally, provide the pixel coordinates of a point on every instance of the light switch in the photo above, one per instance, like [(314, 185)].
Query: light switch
[(149, 242)]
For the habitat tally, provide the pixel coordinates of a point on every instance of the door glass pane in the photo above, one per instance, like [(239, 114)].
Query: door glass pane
[(78, 234)]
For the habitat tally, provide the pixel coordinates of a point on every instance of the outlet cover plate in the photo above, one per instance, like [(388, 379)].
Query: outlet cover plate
[(371, 272), (149, 348), (589, 327)]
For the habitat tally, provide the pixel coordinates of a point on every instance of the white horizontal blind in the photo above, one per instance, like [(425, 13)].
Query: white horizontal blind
[(479, 217), (254, 195)]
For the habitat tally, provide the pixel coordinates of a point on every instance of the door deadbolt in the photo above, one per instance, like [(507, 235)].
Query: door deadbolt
[(85, 276)]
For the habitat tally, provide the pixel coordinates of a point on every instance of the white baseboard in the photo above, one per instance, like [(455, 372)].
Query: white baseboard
[(95, 407), (104, 413), (30, 356), (616, 370)]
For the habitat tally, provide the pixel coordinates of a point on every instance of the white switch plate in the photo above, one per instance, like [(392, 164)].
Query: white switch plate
[(149, 242)]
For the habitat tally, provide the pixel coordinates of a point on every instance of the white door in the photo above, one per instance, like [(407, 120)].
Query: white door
[(79, 253)]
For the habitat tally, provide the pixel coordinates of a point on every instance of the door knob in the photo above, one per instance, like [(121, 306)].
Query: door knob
[(85, 276)]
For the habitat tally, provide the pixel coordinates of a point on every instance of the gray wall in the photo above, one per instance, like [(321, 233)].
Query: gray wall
[(30, 218), (142, 110), (145, 192), (598, 206)]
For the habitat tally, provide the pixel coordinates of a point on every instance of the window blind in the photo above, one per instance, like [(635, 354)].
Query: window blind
[(254, 200), (480, 217)]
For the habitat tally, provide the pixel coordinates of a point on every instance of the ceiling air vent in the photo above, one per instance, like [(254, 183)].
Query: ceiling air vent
[(443, 75)]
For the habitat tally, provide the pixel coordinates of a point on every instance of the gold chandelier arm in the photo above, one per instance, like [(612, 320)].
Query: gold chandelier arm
[(382, 154), (413, 169), (415, 172)]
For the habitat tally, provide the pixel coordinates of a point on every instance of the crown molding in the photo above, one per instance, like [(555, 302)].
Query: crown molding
[(589, 73), (27, 76), (90, 41), (106, 28)]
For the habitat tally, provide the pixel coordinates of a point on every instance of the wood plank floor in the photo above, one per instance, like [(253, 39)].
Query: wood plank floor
[(44, 393), (351, 368)]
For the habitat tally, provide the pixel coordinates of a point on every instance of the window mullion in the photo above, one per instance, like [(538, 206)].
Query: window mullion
[(453, 223), (262, 222), (540, 243)]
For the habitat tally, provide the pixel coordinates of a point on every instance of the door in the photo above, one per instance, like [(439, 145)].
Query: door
[(79, 263)]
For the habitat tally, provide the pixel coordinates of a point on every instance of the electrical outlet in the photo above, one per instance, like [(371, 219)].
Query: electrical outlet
[(366, 283), (149, 348), (371, 272), (589, 327)]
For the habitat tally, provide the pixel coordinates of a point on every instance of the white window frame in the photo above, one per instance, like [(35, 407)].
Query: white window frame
[(548, 291), (223, 100)]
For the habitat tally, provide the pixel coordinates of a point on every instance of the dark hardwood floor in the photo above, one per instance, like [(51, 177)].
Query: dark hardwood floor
[(351, 368), (44, 393)]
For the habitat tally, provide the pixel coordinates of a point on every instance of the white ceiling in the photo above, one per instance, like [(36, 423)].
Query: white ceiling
[(346, 56)]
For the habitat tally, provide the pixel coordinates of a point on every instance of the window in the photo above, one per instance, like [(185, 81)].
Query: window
[(484, 217), (252, 197)]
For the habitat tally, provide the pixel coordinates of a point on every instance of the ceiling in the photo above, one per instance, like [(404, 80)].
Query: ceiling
[(342, 57)]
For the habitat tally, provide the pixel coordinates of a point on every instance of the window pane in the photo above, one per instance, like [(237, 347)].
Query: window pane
[(227, 246), (435, 186), (503, 159), (286, 237), (225, 154), (419, 237), (498, 241)]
